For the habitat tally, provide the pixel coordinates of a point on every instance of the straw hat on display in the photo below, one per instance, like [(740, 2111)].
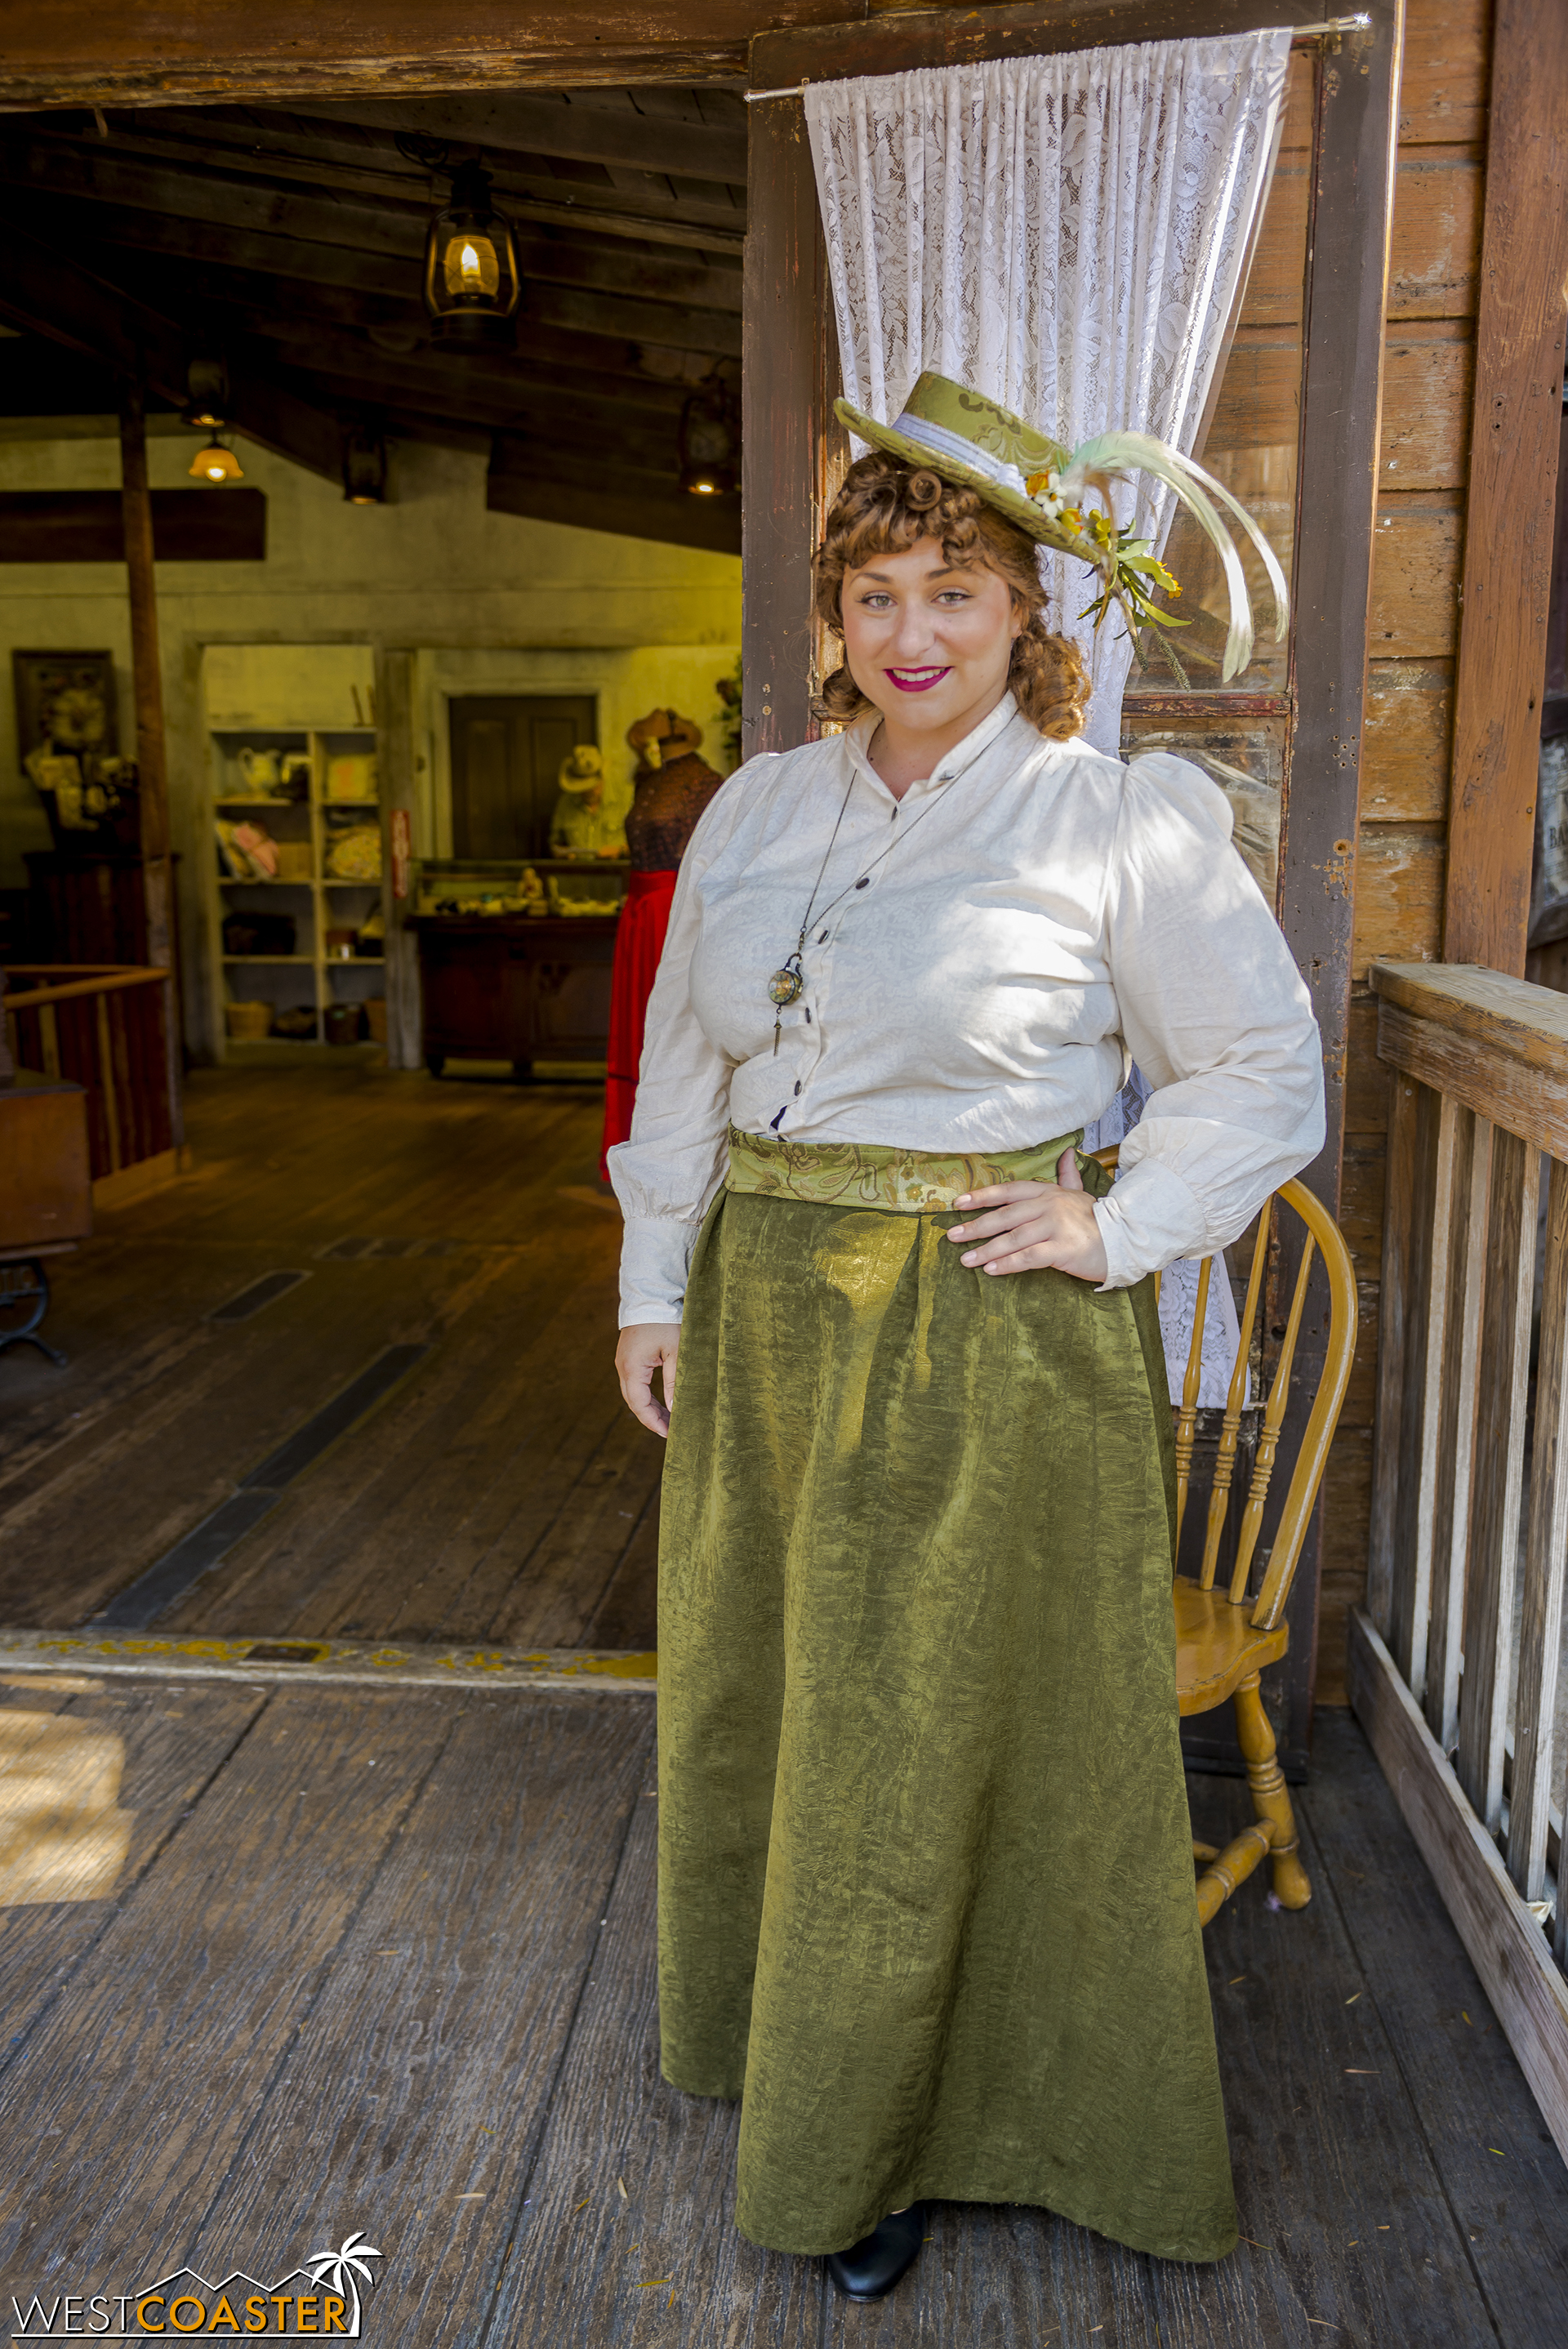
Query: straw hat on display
[(582, 770), (977, 444), (663, 735)]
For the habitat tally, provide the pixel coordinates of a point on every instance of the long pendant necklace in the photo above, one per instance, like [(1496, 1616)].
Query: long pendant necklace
[(787, 982)]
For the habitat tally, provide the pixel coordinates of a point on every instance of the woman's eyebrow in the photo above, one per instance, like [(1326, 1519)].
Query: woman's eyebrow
[(943, 571)]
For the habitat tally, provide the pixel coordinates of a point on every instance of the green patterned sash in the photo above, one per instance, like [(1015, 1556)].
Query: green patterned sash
[(870, 1174)]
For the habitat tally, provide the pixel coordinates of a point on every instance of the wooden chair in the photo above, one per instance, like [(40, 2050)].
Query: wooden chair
[(1224, 1642)]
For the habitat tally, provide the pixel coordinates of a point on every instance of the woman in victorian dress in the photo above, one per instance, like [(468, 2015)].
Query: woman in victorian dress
[(926, 1893)]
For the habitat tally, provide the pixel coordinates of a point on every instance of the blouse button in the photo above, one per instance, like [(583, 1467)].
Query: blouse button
[(864, 881)]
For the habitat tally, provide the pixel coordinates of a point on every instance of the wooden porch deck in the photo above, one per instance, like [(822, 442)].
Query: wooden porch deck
[(500, 1491), (382, 1960)]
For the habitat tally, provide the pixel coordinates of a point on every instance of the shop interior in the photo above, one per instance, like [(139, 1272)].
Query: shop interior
[(440, 572)]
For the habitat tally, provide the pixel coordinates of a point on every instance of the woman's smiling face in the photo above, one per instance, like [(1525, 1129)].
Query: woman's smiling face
[(929, 643)]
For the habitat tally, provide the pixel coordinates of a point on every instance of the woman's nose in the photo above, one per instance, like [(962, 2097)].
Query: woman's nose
[(912, 636)]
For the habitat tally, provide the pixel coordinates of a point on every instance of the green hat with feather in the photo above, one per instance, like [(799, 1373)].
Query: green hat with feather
[(979, 445)]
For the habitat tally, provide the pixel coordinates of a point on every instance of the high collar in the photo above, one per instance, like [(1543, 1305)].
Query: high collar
[(857, 739)]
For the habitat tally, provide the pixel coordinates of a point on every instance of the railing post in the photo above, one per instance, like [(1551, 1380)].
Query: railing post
[(1503, 1379), (1404, 1303), (107, 1086), (1455, 1374), (1545, 1557)]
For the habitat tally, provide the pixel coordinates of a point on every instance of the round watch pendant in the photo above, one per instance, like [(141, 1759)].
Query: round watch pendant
[(784, 986)]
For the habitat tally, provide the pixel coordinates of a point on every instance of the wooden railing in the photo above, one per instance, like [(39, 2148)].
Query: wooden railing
[(1455, 1661), (107, 1027)]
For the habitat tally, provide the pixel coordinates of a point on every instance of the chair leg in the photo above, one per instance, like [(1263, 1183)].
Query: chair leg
[(1293, 1886)]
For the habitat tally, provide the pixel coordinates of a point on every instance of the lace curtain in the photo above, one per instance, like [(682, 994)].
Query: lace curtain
[(1066, 233)]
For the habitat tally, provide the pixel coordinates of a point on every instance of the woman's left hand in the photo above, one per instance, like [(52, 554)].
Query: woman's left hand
[(1027, 1226)]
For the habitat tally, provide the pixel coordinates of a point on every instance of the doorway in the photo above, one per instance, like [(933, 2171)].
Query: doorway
[(506, 749)]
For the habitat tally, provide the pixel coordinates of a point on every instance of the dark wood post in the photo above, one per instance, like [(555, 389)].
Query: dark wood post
[(1511, 503), (157, 861)]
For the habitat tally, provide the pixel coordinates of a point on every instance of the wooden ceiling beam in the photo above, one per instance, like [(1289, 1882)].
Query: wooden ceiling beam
[(289, 310), (517, 383), (542, 482), (655, 325), (379, 216), (660, 323), (44, 291), (364, 163), (41, 377), (583, 263), (593, 429), (569, 124), (60, 52), (578, 125)]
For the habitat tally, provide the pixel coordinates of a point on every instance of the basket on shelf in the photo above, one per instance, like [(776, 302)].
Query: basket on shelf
[(259, 934), (343, 1023), (249, 1021), (294, 859)]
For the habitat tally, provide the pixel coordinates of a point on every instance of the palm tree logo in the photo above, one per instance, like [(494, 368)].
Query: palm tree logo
[(339, 2272)]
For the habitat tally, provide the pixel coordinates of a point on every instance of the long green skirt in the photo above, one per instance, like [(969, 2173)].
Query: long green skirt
[(925, 1880)]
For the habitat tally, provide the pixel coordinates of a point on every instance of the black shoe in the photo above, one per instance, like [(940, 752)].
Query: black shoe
[(869, 2269)]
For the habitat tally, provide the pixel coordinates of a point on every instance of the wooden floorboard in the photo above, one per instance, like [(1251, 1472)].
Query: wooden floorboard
[(1505, 2180), (478, 1503), (442, 2027), (662, 2263), (481, 1500), (627, 1612), (580, 2273), (1351, 2223), (175, 1741), (93, 1516), (388, 1962), (128, 2100)]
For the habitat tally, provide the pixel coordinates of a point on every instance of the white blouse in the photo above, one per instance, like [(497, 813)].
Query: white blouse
[(1044, 914)]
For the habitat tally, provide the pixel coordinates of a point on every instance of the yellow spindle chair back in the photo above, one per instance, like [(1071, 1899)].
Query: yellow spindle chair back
[(1221, 1645)]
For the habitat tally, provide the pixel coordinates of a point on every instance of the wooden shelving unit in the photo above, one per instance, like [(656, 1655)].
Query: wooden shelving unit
[(255, 694)]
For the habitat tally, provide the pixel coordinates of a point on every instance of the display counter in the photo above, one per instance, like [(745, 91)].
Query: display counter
[(498, 982)]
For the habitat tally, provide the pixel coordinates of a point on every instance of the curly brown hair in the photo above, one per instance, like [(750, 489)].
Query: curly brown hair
[(885, 507)]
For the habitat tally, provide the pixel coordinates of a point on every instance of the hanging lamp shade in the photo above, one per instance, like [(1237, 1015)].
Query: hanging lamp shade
[(206, 407), (471, 284), (215, 463), (709, 441), (364, 467)]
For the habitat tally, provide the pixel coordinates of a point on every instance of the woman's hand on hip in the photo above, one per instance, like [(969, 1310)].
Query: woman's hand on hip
[(1026, 1226), (645, 1349)]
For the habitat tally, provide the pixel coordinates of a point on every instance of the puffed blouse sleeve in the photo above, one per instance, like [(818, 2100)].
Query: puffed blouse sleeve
[(1214, 1012), (666, 1173)]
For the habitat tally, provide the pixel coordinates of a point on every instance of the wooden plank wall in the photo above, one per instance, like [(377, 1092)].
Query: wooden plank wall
[(1414, 625)]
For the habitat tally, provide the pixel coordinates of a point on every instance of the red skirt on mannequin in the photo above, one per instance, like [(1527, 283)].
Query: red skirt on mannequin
[(639, 943)]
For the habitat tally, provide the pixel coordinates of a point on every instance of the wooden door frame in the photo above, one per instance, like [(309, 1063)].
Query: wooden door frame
[(1511, 493), (792, 446)]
